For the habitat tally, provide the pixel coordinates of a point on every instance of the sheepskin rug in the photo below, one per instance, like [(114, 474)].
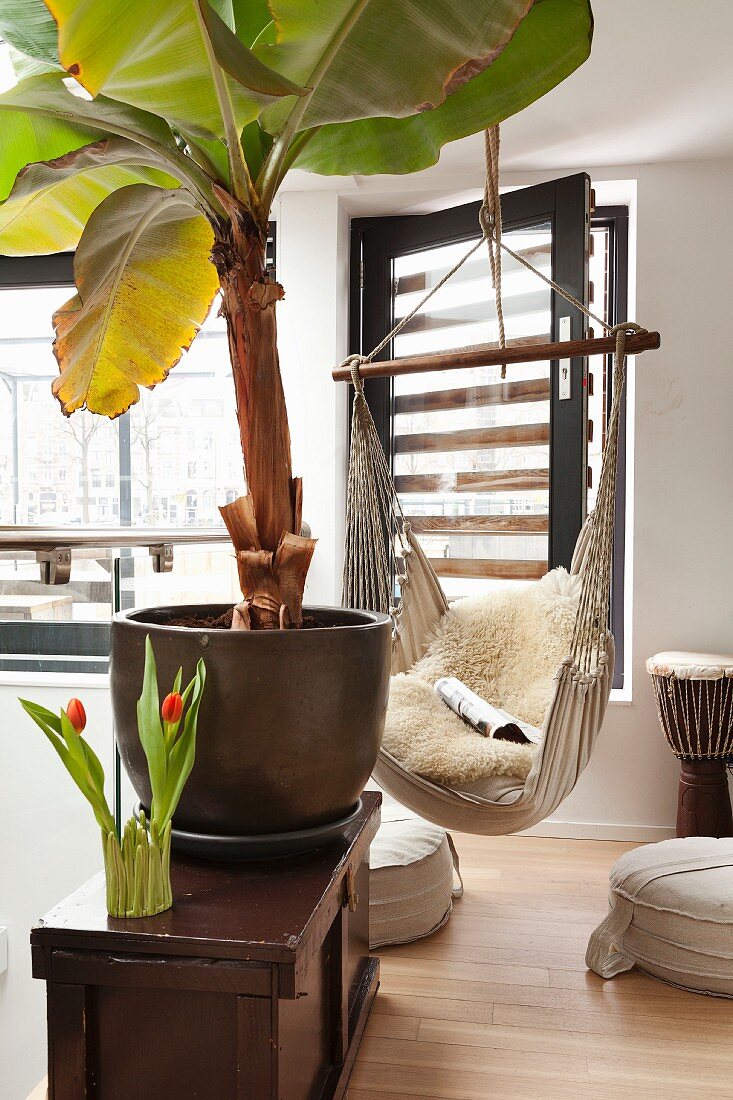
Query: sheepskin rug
[(505, 646)]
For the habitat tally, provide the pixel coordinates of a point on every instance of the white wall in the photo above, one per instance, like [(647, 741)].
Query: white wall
[(313, 266), (50, 845), (682, 472)]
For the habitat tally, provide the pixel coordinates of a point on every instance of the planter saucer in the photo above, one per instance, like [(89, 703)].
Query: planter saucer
[(261, 847)]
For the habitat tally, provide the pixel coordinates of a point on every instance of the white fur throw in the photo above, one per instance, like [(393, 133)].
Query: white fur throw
[(505, 646)]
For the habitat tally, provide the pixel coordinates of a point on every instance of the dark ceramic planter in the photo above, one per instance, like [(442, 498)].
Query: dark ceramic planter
[(290, 724)]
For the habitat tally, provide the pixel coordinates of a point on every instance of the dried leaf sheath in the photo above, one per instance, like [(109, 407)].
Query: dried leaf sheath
[(291, 564), (272, 584), (248, 304)]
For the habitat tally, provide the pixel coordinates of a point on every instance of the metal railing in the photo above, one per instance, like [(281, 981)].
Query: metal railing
[(56, 547)]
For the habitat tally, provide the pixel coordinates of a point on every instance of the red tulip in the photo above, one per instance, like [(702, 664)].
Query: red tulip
[(76, 714), (172, 708)]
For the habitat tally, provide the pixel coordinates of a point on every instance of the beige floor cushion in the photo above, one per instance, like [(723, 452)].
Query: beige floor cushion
[(671, 915), (411, 878)]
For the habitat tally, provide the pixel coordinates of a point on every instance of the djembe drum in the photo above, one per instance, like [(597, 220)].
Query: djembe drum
[(694, 693)]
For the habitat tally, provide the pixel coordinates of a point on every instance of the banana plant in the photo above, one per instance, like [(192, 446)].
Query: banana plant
[(152, 138)]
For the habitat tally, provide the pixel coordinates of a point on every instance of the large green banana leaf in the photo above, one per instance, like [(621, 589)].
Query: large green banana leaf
[(368, 58), (31, 29), (51, 201), (41, 120), (248, 18), (145, 284), (392, 81), (29, 26), (177, 58), (549, 44), (24, 66)]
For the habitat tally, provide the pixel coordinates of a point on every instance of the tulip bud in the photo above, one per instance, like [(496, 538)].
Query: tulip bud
[(76, 714), (172, 708)]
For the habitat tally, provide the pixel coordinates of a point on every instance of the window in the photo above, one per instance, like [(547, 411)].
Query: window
[(495, 476), (89, 471), (88, 451)]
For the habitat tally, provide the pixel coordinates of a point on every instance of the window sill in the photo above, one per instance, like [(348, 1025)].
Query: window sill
[(92, 680), (620, 697)]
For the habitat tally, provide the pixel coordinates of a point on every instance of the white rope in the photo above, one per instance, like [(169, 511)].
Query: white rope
[(408, 317)]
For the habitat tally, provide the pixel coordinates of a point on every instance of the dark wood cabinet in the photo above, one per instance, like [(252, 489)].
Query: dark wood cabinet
[(256, 985)]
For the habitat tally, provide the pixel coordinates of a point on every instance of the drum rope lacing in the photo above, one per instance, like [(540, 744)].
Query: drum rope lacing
[(697, 698)]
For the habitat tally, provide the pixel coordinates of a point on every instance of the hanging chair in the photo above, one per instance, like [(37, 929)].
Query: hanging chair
[(380, 548), (582, 683)]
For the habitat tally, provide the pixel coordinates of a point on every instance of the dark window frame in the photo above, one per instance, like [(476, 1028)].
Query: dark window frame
[(375, 242)]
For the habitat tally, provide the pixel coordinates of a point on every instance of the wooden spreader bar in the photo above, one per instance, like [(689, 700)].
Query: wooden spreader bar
[(489, 355)]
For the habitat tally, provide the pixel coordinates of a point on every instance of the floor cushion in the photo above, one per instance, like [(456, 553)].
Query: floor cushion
[(411, 877), (671, 915)]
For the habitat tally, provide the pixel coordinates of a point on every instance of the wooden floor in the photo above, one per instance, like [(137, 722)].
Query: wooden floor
[(498, 1005)]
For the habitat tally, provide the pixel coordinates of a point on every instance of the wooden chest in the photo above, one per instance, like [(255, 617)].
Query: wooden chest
[(257, 983)]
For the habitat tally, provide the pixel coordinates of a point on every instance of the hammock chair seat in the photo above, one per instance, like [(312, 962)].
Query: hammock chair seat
[(505, 646), (499, 803), (502, 804)]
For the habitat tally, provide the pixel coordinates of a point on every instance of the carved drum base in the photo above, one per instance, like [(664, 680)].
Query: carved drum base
[(703, 803)]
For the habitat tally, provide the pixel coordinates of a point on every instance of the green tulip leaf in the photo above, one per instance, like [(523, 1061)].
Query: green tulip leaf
[(75, 758), (183, 753), (150, 728)]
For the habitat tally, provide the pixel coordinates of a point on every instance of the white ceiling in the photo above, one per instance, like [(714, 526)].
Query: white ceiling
[(658, 86)]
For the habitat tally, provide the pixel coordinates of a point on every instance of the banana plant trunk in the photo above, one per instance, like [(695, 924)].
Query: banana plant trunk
[(272, 557)]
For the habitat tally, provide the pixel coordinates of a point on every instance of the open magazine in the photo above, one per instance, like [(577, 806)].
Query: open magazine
[(487, 720)]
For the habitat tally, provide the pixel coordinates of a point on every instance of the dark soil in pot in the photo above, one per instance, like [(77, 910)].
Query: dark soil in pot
[(291, 720), (224, 622)]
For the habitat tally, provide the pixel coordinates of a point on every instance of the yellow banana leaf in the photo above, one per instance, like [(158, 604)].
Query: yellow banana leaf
[(145, 284)]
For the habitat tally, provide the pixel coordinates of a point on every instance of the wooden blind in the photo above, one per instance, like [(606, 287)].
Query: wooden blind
[(471, 450)]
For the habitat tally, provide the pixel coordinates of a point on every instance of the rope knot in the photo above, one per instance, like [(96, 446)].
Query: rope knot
[(352, 363), (621, 332), (628, 328), (487, 220)]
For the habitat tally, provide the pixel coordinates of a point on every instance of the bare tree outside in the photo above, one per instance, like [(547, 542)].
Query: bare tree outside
[(82, 429), (146, 428)]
